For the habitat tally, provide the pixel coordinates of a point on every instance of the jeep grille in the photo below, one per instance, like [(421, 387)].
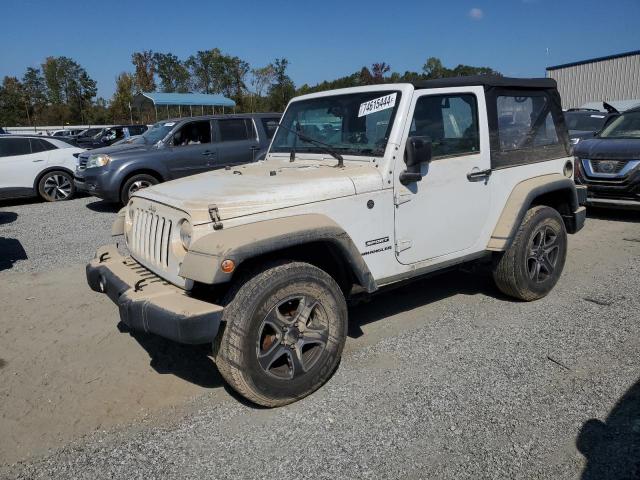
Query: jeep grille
[(150, 237)]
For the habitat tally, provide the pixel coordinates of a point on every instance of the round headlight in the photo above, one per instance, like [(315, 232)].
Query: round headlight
[(185, 233), (568, 169)]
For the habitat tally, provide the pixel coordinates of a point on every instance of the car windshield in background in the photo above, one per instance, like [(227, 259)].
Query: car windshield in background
[(352, 124), (157, 132), (625, 126), (588, 122)]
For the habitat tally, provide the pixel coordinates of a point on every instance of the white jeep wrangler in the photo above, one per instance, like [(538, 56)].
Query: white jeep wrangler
[(361, 188)]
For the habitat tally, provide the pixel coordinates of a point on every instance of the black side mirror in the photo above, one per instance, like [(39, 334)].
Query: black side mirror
[(418, 151)]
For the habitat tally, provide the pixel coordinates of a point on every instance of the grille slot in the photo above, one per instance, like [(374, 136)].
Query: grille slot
[(150, 237), (608, 166)]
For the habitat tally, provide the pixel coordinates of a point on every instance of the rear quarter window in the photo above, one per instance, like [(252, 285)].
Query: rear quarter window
[(233, 129), (39, 145)]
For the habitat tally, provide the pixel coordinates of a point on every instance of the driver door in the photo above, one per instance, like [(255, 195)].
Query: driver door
[(445, 212), (191, 149)]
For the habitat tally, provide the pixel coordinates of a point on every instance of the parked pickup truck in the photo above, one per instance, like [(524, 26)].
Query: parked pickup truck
[(361, 188), (173, 149)]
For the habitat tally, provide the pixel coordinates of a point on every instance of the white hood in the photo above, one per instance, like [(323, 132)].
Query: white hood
[(264, 186)]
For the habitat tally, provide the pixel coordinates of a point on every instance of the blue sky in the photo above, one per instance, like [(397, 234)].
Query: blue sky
[(322, 39)]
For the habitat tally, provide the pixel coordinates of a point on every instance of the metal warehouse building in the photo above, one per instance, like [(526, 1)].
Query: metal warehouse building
[(616, 77)]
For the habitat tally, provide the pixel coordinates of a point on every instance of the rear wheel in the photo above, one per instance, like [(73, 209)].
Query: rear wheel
[(285, 328), (56, 186), (533, 263), (135, 183)]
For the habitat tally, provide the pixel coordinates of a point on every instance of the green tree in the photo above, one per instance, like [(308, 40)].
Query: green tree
[(173, 73), (433, 68), (206, 68), (261, 80), (283, 88), (52, 80), (70, 89), (145, 68), (35, 91), (13, 105), (122, 98)]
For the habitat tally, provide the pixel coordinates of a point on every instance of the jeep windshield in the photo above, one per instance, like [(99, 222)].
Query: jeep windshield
[(626, 125), (352, 124)]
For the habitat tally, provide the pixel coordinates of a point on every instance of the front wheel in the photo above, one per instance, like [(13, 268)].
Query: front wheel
[(285, 328), (531, 266), (135, 183), (56, 186)]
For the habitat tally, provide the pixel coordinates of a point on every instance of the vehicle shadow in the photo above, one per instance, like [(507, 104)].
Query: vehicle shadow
[(419, 293), (613, 215), (192, 363), (16, 202), (102, 206), (8, 217), (612, 447), (11, 250)]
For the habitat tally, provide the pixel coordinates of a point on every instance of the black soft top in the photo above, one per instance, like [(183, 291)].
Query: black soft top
[(502, 121), (488, 81)]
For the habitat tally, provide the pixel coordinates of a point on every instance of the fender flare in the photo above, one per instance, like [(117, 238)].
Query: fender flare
[(521, 198), (202, 261), (117, 228)]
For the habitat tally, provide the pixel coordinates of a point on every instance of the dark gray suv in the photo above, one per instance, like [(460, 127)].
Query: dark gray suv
[(172, 149)]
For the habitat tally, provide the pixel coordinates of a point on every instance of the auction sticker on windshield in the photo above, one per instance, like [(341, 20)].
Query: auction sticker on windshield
[(377, 104)]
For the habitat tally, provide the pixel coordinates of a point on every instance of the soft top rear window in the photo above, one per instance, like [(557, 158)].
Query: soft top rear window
[(527, 126)]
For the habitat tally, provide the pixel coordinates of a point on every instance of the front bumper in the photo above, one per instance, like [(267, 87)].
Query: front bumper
[(618, 203), (96, 184), (150, 304), (621, 192)]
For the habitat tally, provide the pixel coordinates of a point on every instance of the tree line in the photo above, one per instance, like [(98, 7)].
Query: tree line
[(60, 91)]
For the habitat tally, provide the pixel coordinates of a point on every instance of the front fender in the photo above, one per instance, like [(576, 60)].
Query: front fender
[(202, 262), (118, 224)]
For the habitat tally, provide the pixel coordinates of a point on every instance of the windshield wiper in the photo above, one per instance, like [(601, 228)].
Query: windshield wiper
[(323, 146)]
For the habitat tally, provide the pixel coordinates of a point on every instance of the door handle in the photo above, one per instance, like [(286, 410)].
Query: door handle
[(476, 175), (208, 152)]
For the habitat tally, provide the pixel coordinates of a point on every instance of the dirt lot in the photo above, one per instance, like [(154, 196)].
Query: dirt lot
[(444, 378)]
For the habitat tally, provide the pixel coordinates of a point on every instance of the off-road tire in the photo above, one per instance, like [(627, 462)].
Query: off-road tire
[(56, 186), (143, 178), (250, 301), (512, 273)]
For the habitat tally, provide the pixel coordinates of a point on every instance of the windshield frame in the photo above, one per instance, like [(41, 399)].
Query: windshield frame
[(615, 123), (170, 124), (305, 148)]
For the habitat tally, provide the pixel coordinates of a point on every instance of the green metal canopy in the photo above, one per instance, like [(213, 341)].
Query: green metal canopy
[(182, 99)]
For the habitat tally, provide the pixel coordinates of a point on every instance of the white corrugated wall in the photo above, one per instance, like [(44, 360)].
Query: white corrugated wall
[(611, 79)]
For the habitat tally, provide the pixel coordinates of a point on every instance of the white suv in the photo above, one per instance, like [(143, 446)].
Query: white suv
[(37, 166), (361, 188)]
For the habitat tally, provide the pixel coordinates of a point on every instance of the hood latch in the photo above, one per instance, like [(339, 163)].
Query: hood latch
[(215, 216)]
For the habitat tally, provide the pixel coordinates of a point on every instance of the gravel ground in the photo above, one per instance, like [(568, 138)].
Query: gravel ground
[(454, 381), (37, 236)]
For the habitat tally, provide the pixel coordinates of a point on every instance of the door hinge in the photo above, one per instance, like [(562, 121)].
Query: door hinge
[(215, 216), (402, 245), (400, 198)]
